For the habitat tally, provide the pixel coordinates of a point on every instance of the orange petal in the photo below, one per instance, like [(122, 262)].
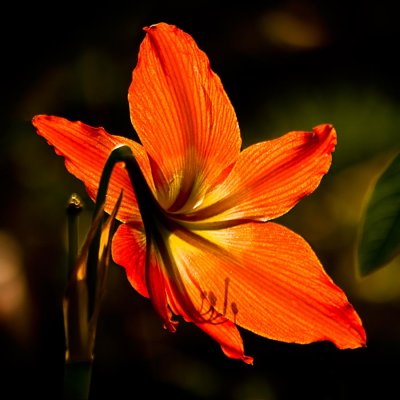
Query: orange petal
[(86, 150), (182, 115), (129, 251), (186, 298), (157, 282), (144, 267), (228, 336), (197, 310), (268, 280), (270, 177)]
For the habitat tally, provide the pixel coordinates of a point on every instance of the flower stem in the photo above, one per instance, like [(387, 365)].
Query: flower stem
[(74, 208), (85, 286), (77, 378)]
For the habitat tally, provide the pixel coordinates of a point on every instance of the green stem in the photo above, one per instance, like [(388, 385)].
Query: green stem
[(77, 378), (86, 278), (119, 154), (74, 208)]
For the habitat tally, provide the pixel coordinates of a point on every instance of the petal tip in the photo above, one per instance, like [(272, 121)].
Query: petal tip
[(327, 133), (362, 342), (248, 360), (38, 118), (158, 26)]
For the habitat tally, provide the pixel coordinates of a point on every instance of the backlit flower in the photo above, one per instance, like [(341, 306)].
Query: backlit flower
[(200, 243)]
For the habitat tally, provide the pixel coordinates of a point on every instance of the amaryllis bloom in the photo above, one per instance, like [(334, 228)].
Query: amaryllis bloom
[(200, 243)]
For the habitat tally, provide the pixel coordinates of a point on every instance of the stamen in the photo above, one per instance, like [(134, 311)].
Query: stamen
[(235, 311), (226, 295), (212, 298), (212, 315)]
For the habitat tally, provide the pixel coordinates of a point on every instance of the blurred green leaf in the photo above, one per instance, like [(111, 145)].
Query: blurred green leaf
[(379, 240)]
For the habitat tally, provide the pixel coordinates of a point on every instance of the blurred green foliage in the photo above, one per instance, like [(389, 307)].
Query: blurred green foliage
[(379, 241)]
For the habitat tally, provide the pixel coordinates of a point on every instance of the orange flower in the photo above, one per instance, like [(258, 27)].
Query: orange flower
[(205, 249)]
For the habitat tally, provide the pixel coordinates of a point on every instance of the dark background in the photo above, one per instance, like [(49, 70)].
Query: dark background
[(286, 65)]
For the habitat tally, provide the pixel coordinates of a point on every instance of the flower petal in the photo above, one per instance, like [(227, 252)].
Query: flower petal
[(129, 251), (157, 282), (266, 279), (86, 150), (228, 336), (144, 265), (182, 115), (271, 177), (186, 298)]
